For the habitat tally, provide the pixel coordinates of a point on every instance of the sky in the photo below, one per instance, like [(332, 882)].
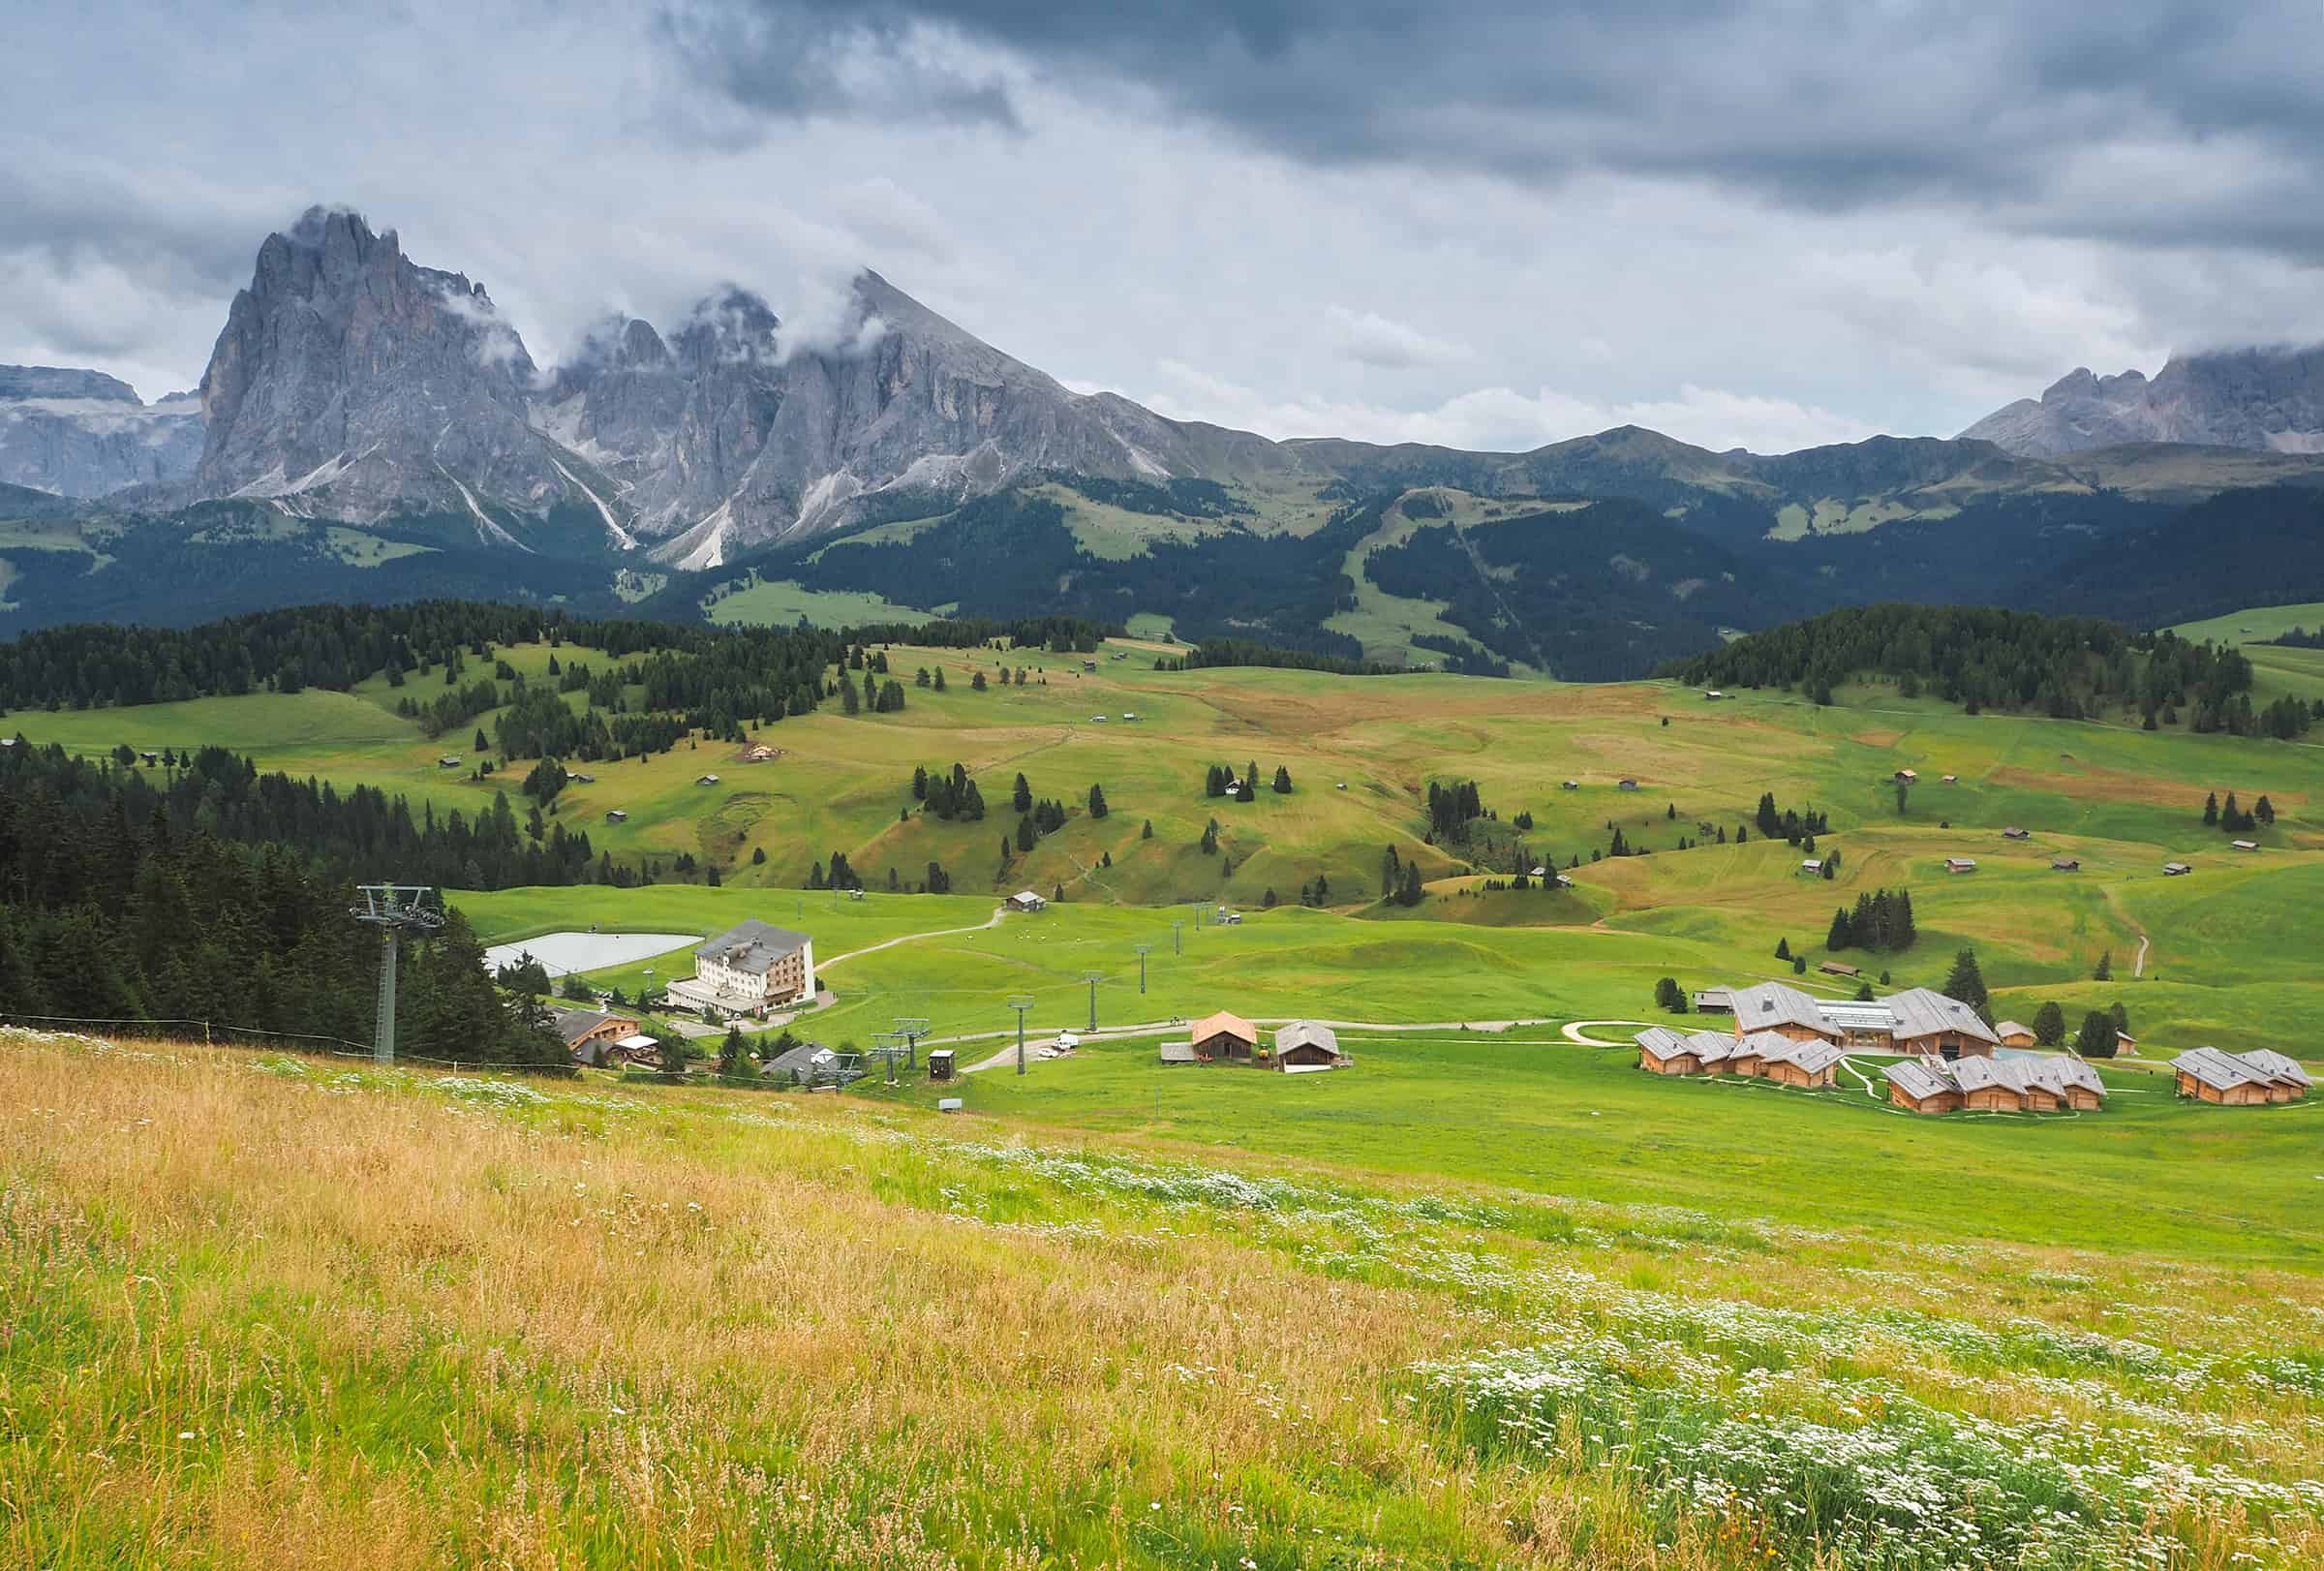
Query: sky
[(1482, 223)]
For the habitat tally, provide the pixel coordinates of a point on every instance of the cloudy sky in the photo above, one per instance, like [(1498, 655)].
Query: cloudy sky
[(1487, 223)]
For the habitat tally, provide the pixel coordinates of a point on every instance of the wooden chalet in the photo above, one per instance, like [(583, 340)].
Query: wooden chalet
[(1664, 1051), (1302, 1046), (2074, 1083), (1920, 1087), (1748, 1055), (2287, 1081), (1805, 1064), (1223, 1037), (1934, 1027), (2013, 1033), (1960, 864), (594, 1036), (1991, 1085), (1786, 1011), (2205, 1074)]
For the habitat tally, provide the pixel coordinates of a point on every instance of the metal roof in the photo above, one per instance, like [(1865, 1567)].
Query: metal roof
[(1815, 1057), (1920, 1080), (2058, 1073), (1867, 1017), (1305, 1033), (1660, 1041), (2275, 1067), (1978, 1073), (1772, 1004), (1712, 1046), (1223, 1022), (752, 945), (1922, 1012), (2220, 1071), (1177, 1052), (1761, 1044), (2011, 1028)]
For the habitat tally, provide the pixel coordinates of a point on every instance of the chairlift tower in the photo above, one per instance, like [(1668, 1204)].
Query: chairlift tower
[(887, 1045), (1144, 949), (911, 1028), (1021, 1003), (395, 910), (1094, 978)]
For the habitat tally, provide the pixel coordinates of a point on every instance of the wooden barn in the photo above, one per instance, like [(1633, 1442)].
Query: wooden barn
[(1664, 1051), (1224, 1039), (2012, 1033), (1303, 1045), (2205, 1074), (1921, 1086)]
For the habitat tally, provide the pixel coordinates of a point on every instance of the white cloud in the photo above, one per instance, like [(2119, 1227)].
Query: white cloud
[(1372, 339)]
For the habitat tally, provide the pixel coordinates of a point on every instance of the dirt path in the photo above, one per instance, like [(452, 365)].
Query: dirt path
[(1578, 1031), (912, 937), (1008, 1053), (2138, 964)]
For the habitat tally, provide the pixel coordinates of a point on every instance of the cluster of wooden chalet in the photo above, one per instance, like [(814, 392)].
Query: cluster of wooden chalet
[(1765, 1055), (1300, 1046), (2050, 1084), (2207, 1074)]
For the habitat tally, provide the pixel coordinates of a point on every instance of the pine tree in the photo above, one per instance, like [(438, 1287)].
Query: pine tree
[(2096, 1039), (482, 745), (2210, 811), (1967, 983), (2049, 1025), (1839, 937), (2104, 972), (1669, 997), (1283, 780), (1146, 833), (1097, 802), (1022, 797), (1783, 948)]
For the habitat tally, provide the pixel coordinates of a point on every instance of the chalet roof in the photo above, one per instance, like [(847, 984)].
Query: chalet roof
[(1178, 1053), (1919, 1079), (1815, 1057), (1716, 998), (2220, 1071), (2005, 1029), (1760, 1044), (1922, 1012), (2014, 832), (2245, 844), (2275, 1067), (802, 1059), (753, 946), (2058, 1073), (1961, 864), (2176, 867), (574, 1024), (1660, 1041), (1772, 1004), (1978, 1073), (1027, 899), (1712, 1046), (1230, 1023), (1305, 1033)]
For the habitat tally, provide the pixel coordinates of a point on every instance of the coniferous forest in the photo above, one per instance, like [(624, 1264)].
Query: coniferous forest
[(216, 896)]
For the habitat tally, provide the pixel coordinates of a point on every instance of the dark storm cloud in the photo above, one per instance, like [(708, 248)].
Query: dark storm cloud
[(2067, 120)]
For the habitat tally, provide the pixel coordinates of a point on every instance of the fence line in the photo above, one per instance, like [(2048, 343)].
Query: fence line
[(215, 1034)]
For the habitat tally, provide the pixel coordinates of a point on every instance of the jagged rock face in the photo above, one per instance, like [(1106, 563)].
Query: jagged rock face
[(2269, 400), (360, 383), (84, 434)]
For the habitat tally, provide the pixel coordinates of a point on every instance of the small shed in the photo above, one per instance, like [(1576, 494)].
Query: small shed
[(1024, 900), (2065, 864), (1571, 785), (2014, 832), (2012, 1033), (939, 1063), (2245, 844), (1178, 1053), (2176, 870), (1714, 1001), (1224, 1036), (1303, 1045), (761, 753), (1835, 967), (616, 816), (1906, 776), (450, 761), (706, 779), (1626, 784), (1812, 867), (1960, 864), (1713, 694), (1952, 780)]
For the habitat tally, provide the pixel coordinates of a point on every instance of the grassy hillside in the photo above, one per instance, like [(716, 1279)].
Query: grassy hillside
[(264, 1312)]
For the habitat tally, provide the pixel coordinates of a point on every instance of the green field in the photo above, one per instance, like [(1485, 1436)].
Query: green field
[(780, 602)]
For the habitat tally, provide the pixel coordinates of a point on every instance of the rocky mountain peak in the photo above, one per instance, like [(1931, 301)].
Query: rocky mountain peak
[(2269, 400)]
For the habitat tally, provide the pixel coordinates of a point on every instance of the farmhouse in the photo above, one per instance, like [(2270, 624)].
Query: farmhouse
[(1024, 900), (1921, 1088), (1960, 864), (1786, 1011), (1223, 1036), (2012, 1033), (1303, 1045), (582, 1028), (747, 969), (1936, 1027), (2176, 870), (2065, 864), (2207, 1074)]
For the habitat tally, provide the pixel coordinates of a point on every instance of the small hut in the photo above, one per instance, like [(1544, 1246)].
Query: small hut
[(1664, 1051), (1990, 1085), (1806, 1066), (2012, 1033), (1303, 1045), (1921, 1086), (1223, 1037)]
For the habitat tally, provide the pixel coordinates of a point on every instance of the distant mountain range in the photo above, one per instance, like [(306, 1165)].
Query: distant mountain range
[(2267, 400), (372, 428)]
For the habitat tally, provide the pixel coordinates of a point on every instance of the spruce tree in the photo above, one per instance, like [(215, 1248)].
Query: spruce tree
[(2096, 1039), (2049, 1025), (1967, 983)]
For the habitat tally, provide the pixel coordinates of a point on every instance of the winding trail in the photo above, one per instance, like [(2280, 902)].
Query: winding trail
[(2138, 964), (991, 922), (1578, 1031)]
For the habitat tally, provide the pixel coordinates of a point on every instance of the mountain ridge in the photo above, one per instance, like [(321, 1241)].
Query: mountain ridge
[(2259, 399)]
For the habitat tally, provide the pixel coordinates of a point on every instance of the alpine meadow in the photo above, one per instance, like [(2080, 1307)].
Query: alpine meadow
[(1286, 787)]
